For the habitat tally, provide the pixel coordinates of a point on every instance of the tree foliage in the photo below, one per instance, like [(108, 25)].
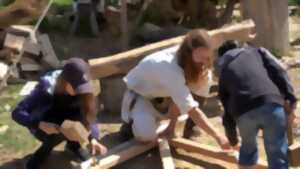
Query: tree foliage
[(209, 14), (294, 2)]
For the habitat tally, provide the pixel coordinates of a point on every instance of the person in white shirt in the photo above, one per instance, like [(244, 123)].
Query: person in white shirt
[(172, 73)]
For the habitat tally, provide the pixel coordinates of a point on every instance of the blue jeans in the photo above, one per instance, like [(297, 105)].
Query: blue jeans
[(271, 118)]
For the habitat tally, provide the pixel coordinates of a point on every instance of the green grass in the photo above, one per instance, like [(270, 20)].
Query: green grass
[(17, 138)]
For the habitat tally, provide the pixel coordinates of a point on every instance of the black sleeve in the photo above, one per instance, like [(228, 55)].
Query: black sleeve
[(228, 121), (278, 75)]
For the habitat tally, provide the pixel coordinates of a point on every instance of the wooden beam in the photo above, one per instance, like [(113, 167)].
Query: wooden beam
[(121, 63), (165, 154), (119, 154), (209, 151)]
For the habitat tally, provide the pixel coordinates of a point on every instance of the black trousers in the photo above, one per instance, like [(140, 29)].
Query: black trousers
[(51, 141)]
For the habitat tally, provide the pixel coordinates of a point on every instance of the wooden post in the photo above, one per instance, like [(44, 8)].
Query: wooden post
[(124, 24), (165, 154), (271, 19)]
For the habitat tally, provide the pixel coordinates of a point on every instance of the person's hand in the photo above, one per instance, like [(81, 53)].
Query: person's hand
[(49, 128), (223, 142), (98, 148)]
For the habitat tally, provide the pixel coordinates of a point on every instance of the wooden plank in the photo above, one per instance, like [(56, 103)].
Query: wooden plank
[(20, 30), (119, 154), (28, 64), (209, 151), (14, 42), (121, 63), (165, 154), (32, 48), (49, 55)]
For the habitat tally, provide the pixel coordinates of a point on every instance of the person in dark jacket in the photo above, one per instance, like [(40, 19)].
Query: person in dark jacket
[(254, 88), (60, 95)]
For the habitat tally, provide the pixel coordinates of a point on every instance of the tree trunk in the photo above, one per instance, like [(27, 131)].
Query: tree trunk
[(196, 13), (271, 18)]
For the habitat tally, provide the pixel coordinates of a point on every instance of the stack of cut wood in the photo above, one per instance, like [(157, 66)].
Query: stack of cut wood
[(25, 52)]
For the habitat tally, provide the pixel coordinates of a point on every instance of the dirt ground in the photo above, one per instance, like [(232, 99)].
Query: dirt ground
[(91, 47)]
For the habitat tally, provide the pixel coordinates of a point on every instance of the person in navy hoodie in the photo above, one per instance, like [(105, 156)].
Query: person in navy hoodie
[(256, 93), (60, 95)]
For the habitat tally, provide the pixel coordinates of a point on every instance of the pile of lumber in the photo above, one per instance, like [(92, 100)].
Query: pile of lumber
[(25, 52)]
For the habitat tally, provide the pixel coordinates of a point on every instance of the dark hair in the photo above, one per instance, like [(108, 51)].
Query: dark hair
[(228, 45), (194, 39)]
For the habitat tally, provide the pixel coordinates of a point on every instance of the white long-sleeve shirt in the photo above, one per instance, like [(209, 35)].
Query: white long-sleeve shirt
[(159, 75)]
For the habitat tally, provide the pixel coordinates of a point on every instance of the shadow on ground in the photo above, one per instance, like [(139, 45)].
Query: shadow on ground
[(57, 160)]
